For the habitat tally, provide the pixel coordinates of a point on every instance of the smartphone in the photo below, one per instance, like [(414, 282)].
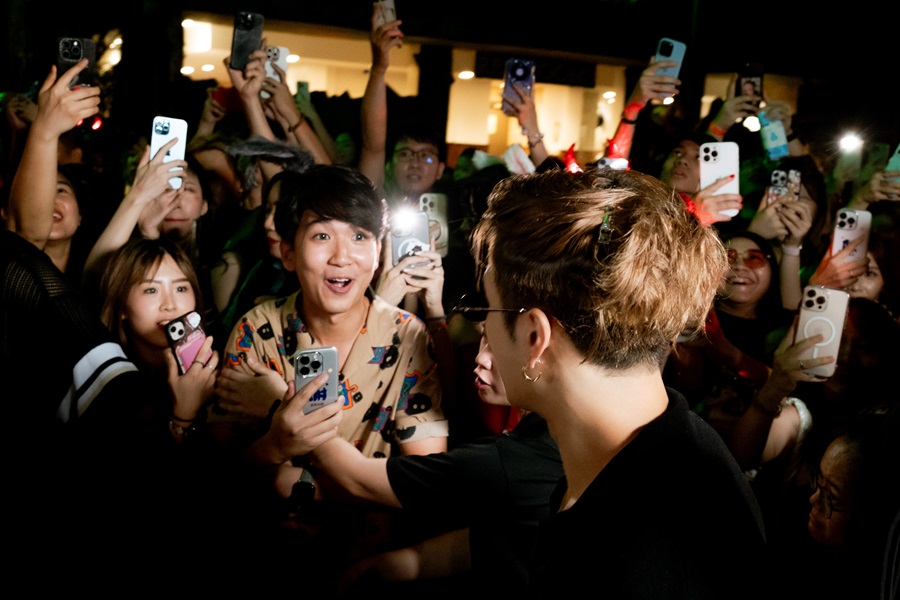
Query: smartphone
[(519, 71), (720, 160), (409, 233), (750, 80), (435, 206), (783, 184), (275, 55), (309, 364), (385, 12), (185, 336), (69, 51), (246, 37), (164, 129), (850, 225), (822, 311), (670, 50)]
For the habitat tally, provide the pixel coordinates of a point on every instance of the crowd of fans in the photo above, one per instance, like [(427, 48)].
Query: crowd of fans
[(595, 385)]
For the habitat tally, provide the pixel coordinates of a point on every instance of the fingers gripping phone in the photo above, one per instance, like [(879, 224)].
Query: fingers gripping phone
[(518, 71), (246, 38), (186, 336), (309, 364), (164, 129), (850, 225), (435, 206), (822, 311), (385, 12), (719, 160), (277, 56), (69, 51), (670, 50), (409, 233)]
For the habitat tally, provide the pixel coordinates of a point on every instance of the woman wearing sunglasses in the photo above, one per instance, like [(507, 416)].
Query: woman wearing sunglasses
[(589, 278)]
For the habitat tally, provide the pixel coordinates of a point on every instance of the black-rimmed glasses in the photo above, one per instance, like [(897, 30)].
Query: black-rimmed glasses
[(826, 496), (478, 313), (407, 155)]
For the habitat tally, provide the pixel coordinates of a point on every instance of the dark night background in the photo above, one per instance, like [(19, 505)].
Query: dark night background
[(845, 59)]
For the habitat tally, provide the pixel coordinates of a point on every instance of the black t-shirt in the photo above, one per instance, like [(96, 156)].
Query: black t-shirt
[(671, 516), (499, 487)]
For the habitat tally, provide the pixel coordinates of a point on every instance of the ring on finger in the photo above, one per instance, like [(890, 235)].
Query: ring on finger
[(801, 365)]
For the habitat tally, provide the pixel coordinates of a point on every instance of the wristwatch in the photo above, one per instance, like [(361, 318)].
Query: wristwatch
[(304, 491)]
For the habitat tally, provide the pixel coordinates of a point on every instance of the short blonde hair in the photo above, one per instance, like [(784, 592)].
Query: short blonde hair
[(614, 256)]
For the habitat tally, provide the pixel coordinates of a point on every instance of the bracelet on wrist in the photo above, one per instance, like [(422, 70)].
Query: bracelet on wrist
[(298, 123), (716, 131), (533, 138), (179, 430), (791, 250), (437, 318)]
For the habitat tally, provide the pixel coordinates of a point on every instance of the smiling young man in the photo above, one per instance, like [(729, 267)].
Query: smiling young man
[(331, 223)]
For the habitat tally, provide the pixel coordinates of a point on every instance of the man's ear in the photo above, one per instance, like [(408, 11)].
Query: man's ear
[(287, 255), (536, 330)]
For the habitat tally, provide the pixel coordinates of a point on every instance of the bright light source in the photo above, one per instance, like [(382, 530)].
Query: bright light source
[(187, 70), (466, 75), (850, 142), (608, 95), (197, 36), (116, 43), (752, 123), (668, 100), (611, 101), (207, 68), (292, 58)]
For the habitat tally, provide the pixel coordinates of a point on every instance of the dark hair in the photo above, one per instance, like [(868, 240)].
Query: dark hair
[(332, 192), (422, 134), (770, 305)]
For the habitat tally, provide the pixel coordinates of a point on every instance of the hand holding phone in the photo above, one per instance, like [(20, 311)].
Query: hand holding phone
[(823, 311), (750, 81), (720, 160), (69, 51), (670, 50), (309, 364), (276, 56), (521, 72), (850, 225), (185, 336), (164, 130)]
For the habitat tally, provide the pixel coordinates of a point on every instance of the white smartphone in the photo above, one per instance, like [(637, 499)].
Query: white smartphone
[(409, 233), (164, 129), (519, 71), (850, 225), (309, 364), (720, 160), (385, 12), (186, 336), (435, 206), (275, 55), (823, 311), (670, 50)]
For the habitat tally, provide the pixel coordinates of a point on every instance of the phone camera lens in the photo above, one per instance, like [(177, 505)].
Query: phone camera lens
[(304, 371), (316, 365), (304, 360)]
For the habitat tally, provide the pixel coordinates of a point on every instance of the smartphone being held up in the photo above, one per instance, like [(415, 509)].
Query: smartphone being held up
[(823, 311), (69, 51), (518, 71), (750, 80), (246, 38), (670, 50), (309, 364), (276, 56), (385, 12), (410, 233), (186, 336), (164, 129), (720, 160), (850, 225)]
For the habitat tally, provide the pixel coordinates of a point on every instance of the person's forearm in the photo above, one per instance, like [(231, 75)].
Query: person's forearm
[(33, 190), (309, 141), (347, 472), (374, 127), (620, 144)]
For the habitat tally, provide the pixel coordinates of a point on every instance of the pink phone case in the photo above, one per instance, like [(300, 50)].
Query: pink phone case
[(186, 337)]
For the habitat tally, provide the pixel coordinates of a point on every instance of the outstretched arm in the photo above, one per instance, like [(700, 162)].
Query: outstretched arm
[(33, 190), (374, 103)]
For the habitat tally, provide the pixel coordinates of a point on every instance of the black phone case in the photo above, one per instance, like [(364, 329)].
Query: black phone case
[(69, 51), (246, 38)]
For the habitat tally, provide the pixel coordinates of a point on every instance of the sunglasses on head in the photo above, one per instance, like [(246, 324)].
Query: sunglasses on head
[(752, 259), (471, 306)]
